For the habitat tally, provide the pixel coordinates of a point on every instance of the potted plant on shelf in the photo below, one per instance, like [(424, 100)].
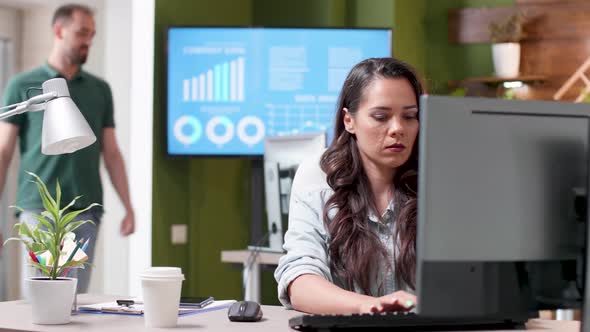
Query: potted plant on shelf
[(505, 36), (53, 250)]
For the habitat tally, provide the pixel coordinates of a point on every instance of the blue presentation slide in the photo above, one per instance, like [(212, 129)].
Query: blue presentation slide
[(228, 88)]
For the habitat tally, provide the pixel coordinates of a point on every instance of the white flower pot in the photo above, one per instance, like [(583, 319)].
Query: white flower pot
[(51, 299), (506, 57)]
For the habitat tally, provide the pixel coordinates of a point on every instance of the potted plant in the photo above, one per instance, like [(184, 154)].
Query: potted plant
[(506, 36), (53, 251)]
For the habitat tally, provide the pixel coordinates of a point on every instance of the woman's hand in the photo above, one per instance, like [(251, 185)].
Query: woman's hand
[(398, 301)]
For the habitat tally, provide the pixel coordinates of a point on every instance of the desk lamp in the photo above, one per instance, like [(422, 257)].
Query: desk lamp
[(65, 129)]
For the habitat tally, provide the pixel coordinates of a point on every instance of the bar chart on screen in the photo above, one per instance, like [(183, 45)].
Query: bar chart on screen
[(223, 82)]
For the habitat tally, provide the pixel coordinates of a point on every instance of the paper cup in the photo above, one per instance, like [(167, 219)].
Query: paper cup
[(161, 288)]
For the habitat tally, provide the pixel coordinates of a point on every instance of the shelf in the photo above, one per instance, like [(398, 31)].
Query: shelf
[(496, 81), (493, 86)]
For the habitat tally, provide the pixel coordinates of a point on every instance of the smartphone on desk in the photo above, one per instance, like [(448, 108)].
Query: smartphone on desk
[(195, 301)]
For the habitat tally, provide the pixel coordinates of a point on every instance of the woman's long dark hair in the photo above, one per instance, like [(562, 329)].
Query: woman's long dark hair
[(355, 251)]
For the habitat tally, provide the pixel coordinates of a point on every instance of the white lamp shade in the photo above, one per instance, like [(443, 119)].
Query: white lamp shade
[(65, 129)]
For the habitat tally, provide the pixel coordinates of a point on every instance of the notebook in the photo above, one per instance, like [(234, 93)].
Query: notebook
[(137, 308)]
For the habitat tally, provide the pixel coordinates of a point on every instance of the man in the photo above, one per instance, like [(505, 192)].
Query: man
[(78, 173)]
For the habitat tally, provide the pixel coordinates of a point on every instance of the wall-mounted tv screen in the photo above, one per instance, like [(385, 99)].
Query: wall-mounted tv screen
[(228, 88)]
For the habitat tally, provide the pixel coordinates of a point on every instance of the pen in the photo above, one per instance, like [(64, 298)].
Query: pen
[(33, 257), (41, 260), (85, 245), (128, 302), (73, 252)]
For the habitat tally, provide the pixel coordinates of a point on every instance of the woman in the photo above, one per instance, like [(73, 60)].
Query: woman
[(351, 242)]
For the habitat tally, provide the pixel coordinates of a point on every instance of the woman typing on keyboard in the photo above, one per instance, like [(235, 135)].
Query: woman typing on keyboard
[(351, 242)]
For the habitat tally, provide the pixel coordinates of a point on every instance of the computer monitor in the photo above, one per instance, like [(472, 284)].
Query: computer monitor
[(498, 234), (282, 156)]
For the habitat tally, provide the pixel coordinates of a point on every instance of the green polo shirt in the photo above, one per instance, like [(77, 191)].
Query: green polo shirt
[(78, 172)]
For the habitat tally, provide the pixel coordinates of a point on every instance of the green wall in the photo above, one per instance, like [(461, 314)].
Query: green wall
[(217, 208), (300, 13), (409, 30)]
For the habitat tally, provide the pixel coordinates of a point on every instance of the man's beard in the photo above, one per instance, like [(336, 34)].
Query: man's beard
[(77, 57)]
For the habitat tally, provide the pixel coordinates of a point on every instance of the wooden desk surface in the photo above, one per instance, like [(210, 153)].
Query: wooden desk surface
[(16, 316)]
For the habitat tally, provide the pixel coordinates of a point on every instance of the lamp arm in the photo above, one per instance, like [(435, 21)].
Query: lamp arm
[(20, 108), (41, 98), (9, 106), (32, 104)]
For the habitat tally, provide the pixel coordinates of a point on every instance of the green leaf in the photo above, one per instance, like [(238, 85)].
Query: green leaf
[(36, 247), (43, 235), (43, 269), (47, 204), (48, 201), (71, 215), (68, 264), (69, 205), (70, 227), (45, 238), (58, 194), (48, 215), (83, 265), (72, 265), (16, 207), (44, 222), (14, 239), (24, 230), (43, 191)]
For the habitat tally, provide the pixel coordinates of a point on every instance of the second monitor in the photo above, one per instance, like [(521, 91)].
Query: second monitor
[(282, 156)]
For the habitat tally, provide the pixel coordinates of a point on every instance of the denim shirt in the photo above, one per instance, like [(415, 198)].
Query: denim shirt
[(307, 239)]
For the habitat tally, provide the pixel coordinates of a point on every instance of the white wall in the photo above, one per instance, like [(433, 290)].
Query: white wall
[(10, 31), (10, 20), (141, 140), (37, 36), (117, 71)]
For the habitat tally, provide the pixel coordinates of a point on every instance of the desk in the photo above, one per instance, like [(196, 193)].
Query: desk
[(251, 275), (16, 315)]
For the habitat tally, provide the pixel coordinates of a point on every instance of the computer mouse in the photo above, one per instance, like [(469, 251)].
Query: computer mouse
[(244, 311)]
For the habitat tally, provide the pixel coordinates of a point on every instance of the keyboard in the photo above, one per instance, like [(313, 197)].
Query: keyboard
[(405, 321)]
